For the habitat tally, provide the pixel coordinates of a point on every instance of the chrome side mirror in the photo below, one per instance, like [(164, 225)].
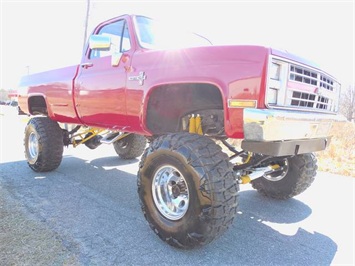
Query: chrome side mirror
[(102, 42), (99, 42)]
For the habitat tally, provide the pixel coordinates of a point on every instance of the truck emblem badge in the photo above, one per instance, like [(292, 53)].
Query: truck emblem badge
[(140, 78)]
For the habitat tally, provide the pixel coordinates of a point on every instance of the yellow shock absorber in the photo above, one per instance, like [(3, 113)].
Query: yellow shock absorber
[(192, 124), (245, 179), (248, 158), (198, 125), (275, 166)]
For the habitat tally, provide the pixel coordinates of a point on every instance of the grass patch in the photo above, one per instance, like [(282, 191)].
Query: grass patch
[(339, 157), (25, 241)]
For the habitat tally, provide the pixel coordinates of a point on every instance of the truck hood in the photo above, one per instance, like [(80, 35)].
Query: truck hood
[(206, 56), (231, 53)]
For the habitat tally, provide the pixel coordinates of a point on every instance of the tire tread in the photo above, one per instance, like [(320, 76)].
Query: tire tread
[(136, 147), (216, 178), (307, 170), (50, 141)]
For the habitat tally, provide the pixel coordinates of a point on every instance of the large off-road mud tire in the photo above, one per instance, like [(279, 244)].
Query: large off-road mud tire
[(43, 144), (296, 175), (130, 147), (187, 189)]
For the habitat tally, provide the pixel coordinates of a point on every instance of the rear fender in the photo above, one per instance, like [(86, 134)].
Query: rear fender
[(38, 104)]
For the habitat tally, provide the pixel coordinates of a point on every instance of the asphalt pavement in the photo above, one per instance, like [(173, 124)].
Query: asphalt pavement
[(90, 204)]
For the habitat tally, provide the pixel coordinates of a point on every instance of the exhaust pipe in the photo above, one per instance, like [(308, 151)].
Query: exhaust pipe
[(112, 137)]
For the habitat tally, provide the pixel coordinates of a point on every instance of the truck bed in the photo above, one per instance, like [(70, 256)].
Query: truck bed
[(56, 86)]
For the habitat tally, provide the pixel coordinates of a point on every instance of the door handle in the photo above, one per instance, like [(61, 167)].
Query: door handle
[(86, 65)]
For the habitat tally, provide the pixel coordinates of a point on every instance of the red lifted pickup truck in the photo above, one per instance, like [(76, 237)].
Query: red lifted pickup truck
[(155, 90)]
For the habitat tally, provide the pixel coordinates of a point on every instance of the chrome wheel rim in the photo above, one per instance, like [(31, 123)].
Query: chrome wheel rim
[(170, 192), (33, 146), (280, 173)]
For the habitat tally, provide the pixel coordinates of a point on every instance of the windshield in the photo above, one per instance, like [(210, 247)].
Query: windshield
[(155, 35)]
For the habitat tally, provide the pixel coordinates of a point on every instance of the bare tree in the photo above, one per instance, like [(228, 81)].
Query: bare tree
[(347, 103)]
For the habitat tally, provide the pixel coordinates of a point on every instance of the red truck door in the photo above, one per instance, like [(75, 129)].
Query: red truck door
[(99, 89)]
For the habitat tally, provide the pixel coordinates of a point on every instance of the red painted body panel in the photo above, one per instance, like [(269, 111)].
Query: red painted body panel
[(106, 96), (56, 88), (99, 94), (236, 70)]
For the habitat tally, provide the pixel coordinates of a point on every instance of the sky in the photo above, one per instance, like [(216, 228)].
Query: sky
[(42, 35)]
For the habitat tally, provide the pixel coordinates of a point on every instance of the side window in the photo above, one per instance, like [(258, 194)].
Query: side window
[(120, 42)]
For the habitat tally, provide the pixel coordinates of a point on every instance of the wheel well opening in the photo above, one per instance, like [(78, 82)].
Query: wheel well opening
[(37, 105), (168, 104)]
